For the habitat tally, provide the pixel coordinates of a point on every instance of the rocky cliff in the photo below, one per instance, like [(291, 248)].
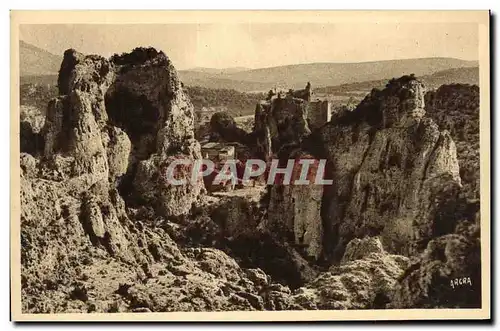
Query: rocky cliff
[(295, 210), (396, 176), (102, 231)]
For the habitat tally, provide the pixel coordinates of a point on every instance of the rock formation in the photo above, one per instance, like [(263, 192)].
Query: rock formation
[(447, 274), (363, 280), (389, 165), (88, 256), (31, 123), (124, 116), (280, 122), (295, 210), (223, 125), (396, 176), (73, 217), (103, 231), (241, 229)]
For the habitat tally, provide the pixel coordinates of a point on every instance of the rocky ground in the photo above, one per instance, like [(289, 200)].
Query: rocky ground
[(102, 231)]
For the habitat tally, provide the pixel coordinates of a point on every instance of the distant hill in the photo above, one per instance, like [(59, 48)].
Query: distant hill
[(452, 76), (469, 75), (217, 81), (320, 74), (34, 61)]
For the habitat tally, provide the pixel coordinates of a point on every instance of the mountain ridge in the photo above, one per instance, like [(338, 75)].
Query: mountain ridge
[(36, 61)]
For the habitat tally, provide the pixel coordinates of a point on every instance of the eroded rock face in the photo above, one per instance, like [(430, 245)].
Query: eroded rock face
[(224, 126), (295, 210), (357, 249), (280, 122), (88, 256), (446, 275), (455, 108), (124, 116), (152, 184), (392, 168), (237, 224), (78, 240), (210, 281), (118, 148), (363, 280), (32, 121), (239, 212), (28, 164), (64, 235), (118, 124)]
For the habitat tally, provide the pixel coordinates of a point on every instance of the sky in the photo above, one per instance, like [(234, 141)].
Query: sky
[(260, 45)]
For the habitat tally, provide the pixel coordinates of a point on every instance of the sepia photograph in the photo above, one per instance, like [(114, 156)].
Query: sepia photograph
[(250, 166)]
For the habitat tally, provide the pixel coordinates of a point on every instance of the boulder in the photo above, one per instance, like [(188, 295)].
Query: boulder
[(360, 282)]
